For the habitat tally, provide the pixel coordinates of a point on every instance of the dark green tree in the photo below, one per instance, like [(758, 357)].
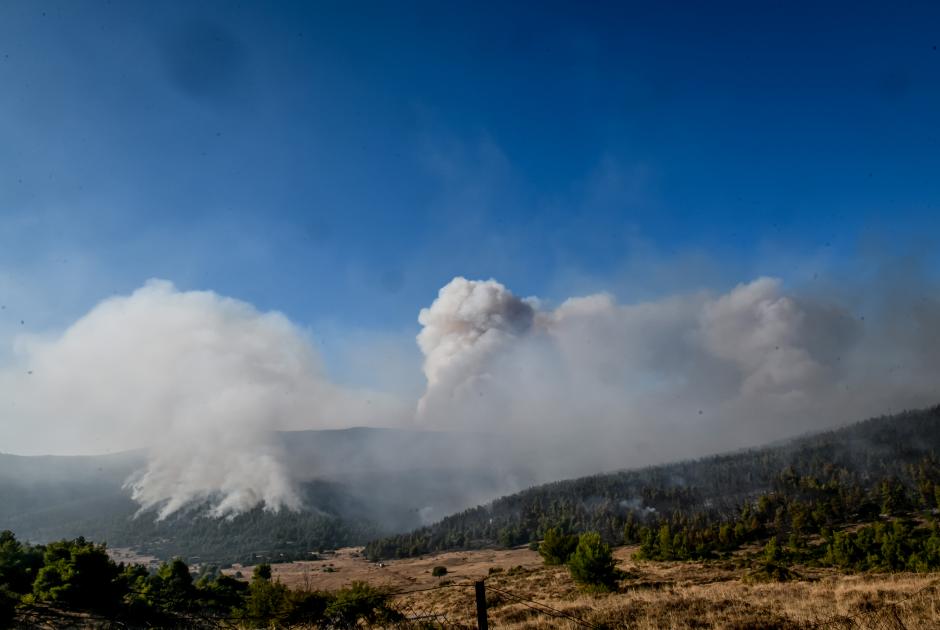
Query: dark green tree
[(19, 563), (172, 586), (556, 546), (267, 602), (221, 594), (592, 565), (262, 571), (893, 496), (360, 602), (79, 575)]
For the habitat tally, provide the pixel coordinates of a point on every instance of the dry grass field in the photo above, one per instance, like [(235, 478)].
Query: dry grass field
[(338, 569), (524, 594)]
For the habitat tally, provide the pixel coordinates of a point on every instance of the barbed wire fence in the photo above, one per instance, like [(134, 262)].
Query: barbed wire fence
[(885, 616), (41, 616), (440, 620)]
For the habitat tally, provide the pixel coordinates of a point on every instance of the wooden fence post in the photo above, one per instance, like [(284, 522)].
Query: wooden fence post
[(481, 605)]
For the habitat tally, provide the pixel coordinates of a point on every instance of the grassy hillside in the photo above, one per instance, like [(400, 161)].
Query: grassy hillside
[(807, 486), (676, 595)]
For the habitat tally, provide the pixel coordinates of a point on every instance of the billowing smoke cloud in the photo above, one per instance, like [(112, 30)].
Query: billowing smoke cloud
[(468, 323), (200, 379), (594, 384), (591, 384)]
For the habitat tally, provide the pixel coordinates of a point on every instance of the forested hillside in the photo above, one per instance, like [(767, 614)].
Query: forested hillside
[(801, 488), (49, 511), (76, 584), (356, 484), (809, 486)]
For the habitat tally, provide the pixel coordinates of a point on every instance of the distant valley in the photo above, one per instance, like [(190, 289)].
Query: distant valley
[(357, 484)]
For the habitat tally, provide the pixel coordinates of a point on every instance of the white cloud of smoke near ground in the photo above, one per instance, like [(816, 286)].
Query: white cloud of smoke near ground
[(594, 384), (589, 385), (202, 380)]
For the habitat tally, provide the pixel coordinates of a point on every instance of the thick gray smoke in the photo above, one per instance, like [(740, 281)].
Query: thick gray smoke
[(200, 379), (595, 384)]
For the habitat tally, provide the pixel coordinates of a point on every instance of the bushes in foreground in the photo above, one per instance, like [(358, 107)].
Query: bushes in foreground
[(557, 547), (78, 577), (592, 565), (589, 559)]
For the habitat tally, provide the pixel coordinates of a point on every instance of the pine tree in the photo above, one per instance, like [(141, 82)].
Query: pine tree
[(592, 565)]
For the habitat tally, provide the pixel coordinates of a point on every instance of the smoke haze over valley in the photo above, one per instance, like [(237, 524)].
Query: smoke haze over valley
[(204, 382)]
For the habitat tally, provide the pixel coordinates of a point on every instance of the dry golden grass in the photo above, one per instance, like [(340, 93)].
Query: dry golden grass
[(339, 568), (681, 595)]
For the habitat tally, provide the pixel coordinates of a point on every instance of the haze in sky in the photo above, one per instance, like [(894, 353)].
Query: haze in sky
[(660, 229)]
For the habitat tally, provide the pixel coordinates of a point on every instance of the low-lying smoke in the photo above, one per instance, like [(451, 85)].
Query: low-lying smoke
[(589, 385)]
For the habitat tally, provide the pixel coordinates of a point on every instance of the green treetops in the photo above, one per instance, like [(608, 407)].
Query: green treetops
[(78, 574), (557, 547), (592, 565)]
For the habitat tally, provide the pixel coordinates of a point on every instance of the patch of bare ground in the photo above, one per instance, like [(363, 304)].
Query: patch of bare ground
[(130, 556), (522, 593)]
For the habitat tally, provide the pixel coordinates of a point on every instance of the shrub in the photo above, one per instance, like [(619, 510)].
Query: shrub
[(78, 574), (19, 564), (439, 571), (592, 565), (772, 551), (359, 601), (557, 547), (770, 572), (173, 586), (266, 600), (307, 608), (222, 594)]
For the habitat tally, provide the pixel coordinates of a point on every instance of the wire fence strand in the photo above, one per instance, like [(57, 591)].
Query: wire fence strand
[(36, 615)]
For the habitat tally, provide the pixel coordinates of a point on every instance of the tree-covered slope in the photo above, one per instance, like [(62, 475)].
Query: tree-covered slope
[(842, 474), (100, 508), (356, 484)]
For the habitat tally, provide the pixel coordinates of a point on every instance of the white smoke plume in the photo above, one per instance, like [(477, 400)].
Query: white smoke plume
[(592, 384), (200, 379), (595, 384), (467, 323)]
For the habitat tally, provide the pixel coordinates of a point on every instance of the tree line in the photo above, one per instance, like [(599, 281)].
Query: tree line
[(799, 492), (258, 535), (78, 577)]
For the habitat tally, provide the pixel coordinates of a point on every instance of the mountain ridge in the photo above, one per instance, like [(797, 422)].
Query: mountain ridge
[(713, 487)]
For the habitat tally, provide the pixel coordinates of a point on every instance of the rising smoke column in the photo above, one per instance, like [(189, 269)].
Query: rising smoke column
[(464, 329), (202, 380), (631, 384)]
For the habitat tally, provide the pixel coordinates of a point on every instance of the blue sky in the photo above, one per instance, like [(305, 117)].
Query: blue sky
[(342, 161)]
